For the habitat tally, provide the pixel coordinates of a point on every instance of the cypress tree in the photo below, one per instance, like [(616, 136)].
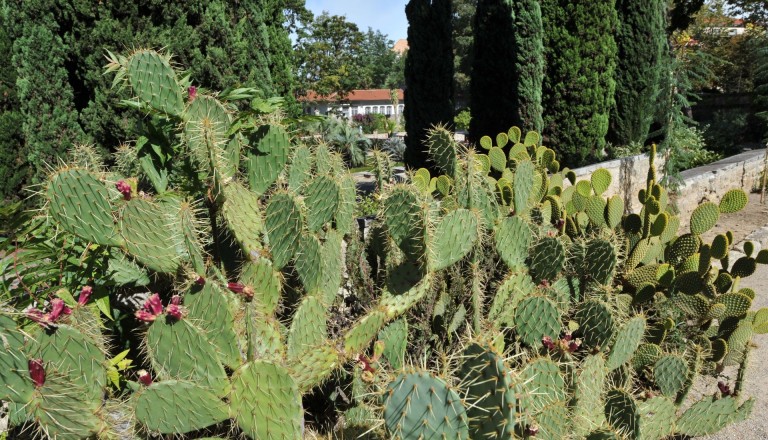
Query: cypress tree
[(641, 42), (428, 74), (508, 67), (13, 171), (579, 84), (46, 100)]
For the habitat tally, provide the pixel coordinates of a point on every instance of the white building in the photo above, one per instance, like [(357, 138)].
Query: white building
[(357, 102)]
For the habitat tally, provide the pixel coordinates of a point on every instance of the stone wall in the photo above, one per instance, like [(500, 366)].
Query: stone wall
[(706, 183)]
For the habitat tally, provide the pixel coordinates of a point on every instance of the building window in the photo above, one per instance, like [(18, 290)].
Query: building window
[(401, 107), (367, 110), (389, 110), (354, 110)]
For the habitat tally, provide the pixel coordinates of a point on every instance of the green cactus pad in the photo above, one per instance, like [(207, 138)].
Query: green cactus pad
[(719, 350), (301, 166), (364, 331), (736, 304), (284, 221), (638, 254), (646, 355), (242, 211), (509, 294), (760, 321), (627, 342), (332, 262), (551, 422), (738, 342), (179, 350), (523, 185), (671, 373), (403, 217), (682, 248), (601, 180), (762, 257), (62, 411), (657, 418), (344, 219), (152, 234), (309, 261), (15, 384), (442, 150), (546, 259), (531, 138), (540, 384), (498, 159), (315, 366), (322, 200), (309, 327), (595, 209), (154, 81), (733, 201), (596, 324), (514, 134), (210, 308), (704, 217), (74, 355), (265, 402), (600, 261), (614, 211), (455, 236), (710, 415), (403, 293), (419, 405), (536, 317), (265, 282), (622, 413), (513, 238), (486, 383), (744, 267), (205, 132), (79, 202), (176, 407), (395, 339), (268, 155), (265, 338), (323, 159), (588, 408)]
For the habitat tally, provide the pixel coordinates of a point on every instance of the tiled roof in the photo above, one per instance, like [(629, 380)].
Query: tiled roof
[(354, 96), (401, 46)]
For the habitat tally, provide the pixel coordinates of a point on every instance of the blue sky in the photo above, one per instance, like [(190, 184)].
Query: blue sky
[(388, 16)]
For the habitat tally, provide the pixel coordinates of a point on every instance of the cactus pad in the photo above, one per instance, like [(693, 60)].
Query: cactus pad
[(14, 372), (308, 327), (242, 212), (523, 185), (79, 202), (488, 389), (395, 339), (546, 259), (455, 236), (265, 402), (284, 224), (671, 373), (733, 201), (322, 201), (709, 415), (540, 384), (704, 217), (595, 323), (403, 217), (363, 332), (264, 281), (270, 146), (152, 234), (657, 418), (536, 317), (154, 81), (627, 341), (209, 307), (622, 413), (309, 261), (419, 405), (509, 294), (176, 407), (513, 238), (600, 261), (588, 409)]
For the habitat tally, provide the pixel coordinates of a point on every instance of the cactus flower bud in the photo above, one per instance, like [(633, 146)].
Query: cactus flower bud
[(724, 388), (38, 316), (174, 309), (124, 188), (235, 287), (531, 430), (245, 291), (36, 372), (58, 308), (547, 341), (200, 281), (151, 309), (85, 294), (574, 345), (192, 90), (145, 378)]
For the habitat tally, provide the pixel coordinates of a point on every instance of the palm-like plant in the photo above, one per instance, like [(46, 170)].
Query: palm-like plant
[(350, 142)]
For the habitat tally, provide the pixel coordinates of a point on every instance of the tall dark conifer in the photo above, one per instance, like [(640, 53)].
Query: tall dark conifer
[(508, 67), (579, 84), (641, 42), (428, 74)]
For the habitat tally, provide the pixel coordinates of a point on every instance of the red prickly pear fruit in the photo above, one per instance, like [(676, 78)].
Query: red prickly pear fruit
[(200, 281), (36, 372), (547, 341), (192, 90), (58, 308), (85, 294), (151, 309), (145, 378), (235, 287), (174, 309), (246, 291)]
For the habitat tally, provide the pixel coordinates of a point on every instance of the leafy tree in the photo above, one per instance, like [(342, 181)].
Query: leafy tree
[(508, 67), (326, 53), (377, 60), (579, 85), (755, 11), (641, 41), (428, 74), (682, 14)]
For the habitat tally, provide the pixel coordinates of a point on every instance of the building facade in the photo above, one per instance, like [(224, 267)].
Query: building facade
[(357, 102)]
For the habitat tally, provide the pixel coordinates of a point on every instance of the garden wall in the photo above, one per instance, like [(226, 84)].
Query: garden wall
[(706, 183)]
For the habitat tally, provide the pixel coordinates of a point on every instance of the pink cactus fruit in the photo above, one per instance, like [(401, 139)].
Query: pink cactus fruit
[(145, 378), (85, 294), (548, 342), (58, 309), (192, 90), (36, 372)]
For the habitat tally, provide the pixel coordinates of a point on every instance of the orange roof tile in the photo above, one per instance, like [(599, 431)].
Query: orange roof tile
[(354, 95)]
